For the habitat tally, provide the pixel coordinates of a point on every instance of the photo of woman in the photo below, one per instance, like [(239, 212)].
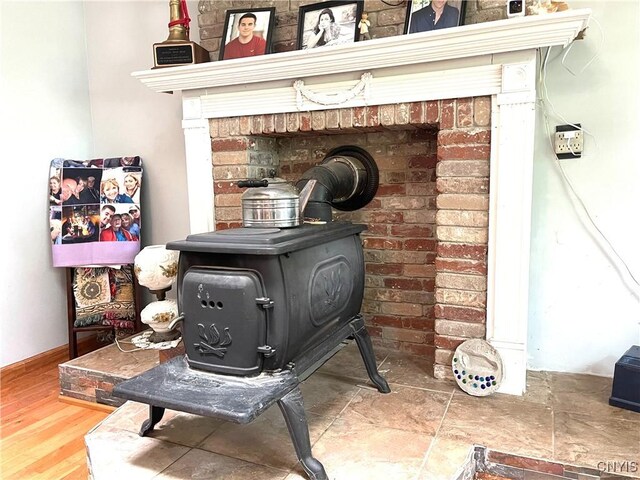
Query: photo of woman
[(326, 31), (328, 23), (55, 191), (134, 211), (132, 187), (110, 192)]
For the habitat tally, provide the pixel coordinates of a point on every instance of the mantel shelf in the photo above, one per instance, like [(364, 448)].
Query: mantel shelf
[(502, 36)]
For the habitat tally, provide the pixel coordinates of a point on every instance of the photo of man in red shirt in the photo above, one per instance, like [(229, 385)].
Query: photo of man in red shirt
[(246, 44)]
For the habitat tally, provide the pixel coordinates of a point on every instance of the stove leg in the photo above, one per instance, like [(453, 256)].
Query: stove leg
[(155, 415), (294, 415), (366, 351)]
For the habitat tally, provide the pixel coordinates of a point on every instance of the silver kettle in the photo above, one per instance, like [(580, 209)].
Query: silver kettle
[(273, 202)]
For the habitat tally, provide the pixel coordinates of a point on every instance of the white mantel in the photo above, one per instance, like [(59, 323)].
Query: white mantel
[(512, 35), (496, 59)]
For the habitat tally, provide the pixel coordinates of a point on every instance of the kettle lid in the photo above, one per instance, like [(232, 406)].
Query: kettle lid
[(277, 188)]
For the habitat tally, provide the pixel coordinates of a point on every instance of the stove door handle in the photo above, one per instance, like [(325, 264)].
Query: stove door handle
[(264, 302), (267, 351)]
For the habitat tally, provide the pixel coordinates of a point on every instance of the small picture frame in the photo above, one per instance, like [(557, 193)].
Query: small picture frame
[(247, 33), (427, 15), (328, 23)]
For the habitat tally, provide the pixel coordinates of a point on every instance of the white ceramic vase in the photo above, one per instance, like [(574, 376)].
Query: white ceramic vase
[(156, 267), (159, 314)]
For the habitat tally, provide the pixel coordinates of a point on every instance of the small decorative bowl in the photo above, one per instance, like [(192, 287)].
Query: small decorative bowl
[(477, 368)]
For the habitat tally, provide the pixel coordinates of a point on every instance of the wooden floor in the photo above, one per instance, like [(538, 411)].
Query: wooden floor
[(41, 436)]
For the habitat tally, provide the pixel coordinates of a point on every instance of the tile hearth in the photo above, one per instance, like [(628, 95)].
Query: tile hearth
[(423, 430)]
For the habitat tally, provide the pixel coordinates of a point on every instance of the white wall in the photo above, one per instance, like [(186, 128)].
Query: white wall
[(45, 114), (584, 307), (129, 118), (67, 99)]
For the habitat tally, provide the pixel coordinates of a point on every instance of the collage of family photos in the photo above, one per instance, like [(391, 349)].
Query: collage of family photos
[(95, 200)]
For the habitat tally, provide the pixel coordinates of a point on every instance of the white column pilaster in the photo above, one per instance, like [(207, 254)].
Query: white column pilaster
[(513, 125), (199, 167)]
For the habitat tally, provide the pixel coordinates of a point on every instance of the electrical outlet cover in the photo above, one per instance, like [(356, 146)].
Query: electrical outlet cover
[(569, 141)]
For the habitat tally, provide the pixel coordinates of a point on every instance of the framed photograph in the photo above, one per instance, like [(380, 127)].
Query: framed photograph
[(247, 33), (427, 15), (328, 23)]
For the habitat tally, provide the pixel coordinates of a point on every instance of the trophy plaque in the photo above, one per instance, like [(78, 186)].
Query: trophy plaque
[(178, 49)]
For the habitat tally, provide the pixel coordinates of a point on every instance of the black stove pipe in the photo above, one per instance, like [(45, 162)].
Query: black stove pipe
[(333, 181), (347, 179)]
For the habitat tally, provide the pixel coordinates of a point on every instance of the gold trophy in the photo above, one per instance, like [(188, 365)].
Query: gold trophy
[(178, 49)]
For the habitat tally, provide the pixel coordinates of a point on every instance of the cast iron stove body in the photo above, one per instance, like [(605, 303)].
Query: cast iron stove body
[(263, 309), (257, 299)]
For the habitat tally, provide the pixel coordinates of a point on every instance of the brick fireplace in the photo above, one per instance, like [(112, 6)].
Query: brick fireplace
[(448, 116), (426, 243)]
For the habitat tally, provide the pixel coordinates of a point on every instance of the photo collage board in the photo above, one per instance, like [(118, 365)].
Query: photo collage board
[(94, 211)]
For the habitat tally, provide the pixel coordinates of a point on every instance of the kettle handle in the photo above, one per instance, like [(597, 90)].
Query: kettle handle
[(305, 194), (253, 183)]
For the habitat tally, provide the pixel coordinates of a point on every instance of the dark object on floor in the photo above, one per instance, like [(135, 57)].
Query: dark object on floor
[(626, 381)]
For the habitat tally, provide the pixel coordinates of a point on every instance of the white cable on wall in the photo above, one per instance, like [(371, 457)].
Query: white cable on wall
[(547, 108)]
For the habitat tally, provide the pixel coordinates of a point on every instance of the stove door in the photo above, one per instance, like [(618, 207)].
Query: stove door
[(224, 320)]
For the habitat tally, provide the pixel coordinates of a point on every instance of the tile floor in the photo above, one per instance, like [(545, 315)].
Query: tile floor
[(423, 430)]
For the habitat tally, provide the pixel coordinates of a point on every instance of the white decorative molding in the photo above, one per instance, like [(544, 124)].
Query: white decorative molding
[(334, 98), (496, 59), (510, 35), (386, 89)]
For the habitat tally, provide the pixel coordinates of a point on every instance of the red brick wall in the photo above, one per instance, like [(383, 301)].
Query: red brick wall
[(425, 248), (399, 244)]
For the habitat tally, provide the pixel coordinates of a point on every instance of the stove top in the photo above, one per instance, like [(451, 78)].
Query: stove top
[(266, 241)]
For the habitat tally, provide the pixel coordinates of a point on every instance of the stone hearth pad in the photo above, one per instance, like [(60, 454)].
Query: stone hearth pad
[(92, 377)]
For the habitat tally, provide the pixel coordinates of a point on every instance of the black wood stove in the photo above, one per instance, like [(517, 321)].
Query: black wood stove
[(263, 309)]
